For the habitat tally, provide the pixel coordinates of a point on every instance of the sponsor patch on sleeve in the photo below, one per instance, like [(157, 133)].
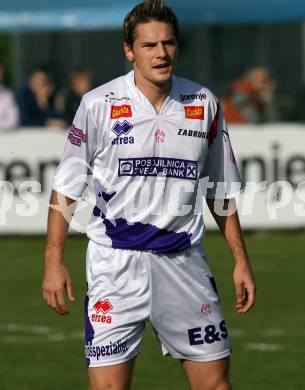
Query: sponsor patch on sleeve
[(77, 136)]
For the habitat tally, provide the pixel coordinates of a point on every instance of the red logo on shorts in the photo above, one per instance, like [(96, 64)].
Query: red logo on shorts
[(206, 309), (103, 306)]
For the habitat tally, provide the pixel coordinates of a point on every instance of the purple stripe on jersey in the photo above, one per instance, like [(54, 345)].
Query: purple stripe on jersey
[(107, 197), (142, 236), (145, 237), (89, 331), (97, 211)]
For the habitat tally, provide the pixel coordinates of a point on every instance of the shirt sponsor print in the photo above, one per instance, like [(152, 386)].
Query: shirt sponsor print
[(158, 166), (193, 133), (123, 111), (198, 96), (194, 112), (121, 129), (77, 136), (110, 97)]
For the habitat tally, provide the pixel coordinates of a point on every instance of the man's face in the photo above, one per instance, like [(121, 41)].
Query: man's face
[(260, 79), (81, 84), (153, 52), (39, 82)]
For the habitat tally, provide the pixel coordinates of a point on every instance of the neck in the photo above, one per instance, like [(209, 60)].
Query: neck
[(156, 94)]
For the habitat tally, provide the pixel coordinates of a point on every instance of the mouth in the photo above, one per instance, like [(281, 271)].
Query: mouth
[(162, 66)]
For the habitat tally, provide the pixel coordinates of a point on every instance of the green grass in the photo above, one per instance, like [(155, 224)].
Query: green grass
[(51, 357)]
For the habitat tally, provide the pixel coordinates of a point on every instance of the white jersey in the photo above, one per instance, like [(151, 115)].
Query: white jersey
[(147, 167)]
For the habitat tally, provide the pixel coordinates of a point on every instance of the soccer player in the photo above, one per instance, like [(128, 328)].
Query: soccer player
[(154, 143)]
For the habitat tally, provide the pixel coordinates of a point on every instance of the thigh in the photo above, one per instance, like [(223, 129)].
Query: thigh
[(212, 375), (116, 305), (186, 312), (116, 377)]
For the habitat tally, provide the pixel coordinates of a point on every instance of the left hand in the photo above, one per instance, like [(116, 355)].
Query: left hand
[(244, 286)]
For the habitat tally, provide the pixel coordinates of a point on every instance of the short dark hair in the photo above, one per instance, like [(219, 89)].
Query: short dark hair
[(79, 71), (146, 12)]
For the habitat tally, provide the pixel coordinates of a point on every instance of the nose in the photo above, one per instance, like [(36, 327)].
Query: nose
[(161, 51)]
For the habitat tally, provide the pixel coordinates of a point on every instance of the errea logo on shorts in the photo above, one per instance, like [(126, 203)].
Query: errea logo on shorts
[(121, 111), (102, 306), (194, 112)]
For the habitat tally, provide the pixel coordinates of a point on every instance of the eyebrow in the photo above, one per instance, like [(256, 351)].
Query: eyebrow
[(171, 40)]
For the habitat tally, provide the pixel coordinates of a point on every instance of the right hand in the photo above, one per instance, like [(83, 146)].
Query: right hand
[(244, 286), (57, 281)]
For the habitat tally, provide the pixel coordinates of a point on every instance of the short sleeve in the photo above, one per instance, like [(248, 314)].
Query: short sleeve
[(71, 174), (220, 165)]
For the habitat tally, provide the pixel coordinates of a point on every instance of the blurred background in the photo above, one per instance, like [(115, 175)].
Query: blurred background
[(221, 41), (251, 54)]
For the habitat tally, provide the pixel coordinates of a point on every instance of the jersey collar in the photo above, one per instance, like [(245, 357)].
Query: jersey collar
[(138, 95)]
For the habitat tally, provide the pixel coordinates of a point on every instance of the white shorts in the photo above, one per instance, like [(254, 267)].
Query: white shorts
[(175, 292)]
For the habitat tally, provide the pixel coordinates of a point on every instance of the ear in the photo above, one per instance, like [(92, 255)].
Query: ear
[(128, 52)]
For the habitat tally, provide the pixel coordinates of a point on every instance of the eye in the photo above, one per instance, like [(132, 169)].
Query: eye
[(171, 43)]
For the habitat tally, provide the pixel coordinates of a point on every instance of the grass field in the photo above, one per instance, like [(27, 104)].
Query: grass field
[(42, 351)]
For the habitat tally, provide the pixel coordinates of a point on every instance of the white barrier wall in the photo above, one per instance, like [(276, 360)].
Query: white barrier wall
[(264, 154)]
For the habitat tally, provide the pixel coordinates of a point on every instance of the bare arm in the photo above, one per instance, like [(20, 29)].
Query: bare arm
[(56, 279), (242, 275)]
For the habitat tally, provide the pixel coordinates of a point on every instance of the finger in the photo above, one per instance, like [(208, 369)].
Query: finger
[(239, 293), (249, 302), (47, 298), (70, 290), (61, 304), (44, 295), (52, 301)]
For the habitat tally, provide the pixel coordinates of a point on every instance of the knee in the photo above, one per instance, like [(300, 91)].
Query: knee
[(222, 384), (104, 386)]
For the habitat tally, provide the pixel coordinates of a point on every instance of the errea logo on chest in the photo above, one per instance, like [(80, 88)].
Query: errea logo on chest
[(123, 111), (194, 112), (121, 129)]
